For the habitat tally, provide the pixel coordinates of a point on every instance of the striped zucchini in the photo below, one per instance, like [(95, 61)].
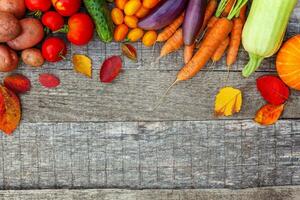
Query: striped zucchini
[(264, 30)]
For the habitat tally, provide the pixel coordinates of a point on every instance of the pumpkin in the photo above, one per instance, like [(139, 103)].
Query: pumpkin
[(288, 62)]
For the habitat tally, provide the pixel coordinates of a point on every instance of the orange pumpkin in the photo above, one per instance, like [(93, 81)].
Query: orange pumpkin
[(288, 62)]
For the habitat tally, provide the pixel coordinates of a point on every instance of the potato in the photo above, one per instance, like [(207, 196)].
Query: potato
[(8, 59), (32, 57), (32, 33), (10, 27), (15, 7)]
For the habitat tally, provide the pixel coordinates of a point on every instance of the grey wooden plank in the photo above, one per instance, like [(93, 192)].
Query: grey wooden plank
[(140, 155), (12, 161), (134, 94), (270, 193)]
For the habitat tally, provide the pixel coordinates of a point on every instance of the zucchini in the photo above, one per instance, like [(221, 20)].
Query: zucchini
[(100, 13), (264, 30)]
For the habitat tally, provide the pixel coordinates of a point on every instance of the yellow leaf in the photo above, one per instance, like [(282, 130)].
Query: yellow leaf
[(268, 114), (82, 64), (228, 101)]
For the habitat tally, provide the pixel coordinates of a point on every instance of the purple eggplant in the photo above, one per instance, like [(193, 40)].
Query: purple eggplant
[(193, 20), (163, 14)]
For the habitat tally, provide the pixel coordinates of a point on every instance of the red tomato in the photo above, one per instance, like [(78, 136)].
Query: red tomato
[(81, 29), (53, 20), (38, 5), (66, 7), (54, 49)]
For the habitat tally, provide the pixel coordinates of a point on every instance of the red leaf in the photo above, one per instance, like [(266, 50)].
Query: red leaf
[(49, 80), (272, 89), (18, 83), (110, 69)]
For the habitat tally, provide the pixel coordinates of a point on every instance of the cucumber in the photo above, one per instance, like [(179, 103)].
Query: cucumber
[(100, 13)]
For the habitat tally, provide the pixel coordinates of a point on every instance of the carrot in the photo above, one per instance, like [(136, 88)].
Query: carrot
[(228, 8), (209, 12), (235, 41), (242, 15), (218, 33), (212, 21), (220, 50), (188, 53), (211, 42), (172, 44), (170, 30)]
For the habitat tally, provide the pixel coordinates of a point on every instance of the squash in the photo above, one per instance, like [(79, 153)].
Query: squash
[(288, 62), (264, 30)]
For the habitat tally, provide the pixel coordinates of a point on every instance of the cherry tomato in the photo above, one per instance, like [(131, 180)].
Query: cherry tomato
[(54, 49), (38, 5), (81, 29), (53, 20), (66, 7)]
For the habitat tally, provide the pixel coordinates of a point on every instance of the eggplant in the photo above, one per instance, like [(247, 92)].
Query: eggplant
[(193, 20), (163, 14)]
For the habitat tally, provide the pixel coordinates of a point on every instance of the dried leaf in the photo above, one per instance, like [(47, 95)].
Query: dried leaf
[(129, 51), (228, 101), (18, 83), (11, 117), (268, 114), (272, 89), (110, 69), (49, 80), (82, 64)]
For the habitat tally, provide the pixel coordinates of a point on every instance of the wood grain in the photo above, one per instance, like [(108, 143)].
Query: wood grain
[(134, 94), (85, 134), (274, 193), (140, 155)]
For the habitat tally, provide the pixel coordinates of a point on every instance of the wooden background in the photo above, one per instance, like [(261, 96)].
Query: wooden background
[(85, 134)]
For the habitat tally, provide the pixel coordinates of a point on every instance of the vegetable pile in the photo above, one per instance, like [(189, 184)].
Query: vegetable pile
[(207, 30)]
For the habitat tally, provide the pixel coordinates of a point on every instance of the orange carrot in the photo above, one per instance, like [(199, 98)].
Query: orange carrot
[(220, 50), (235, 41), (212, 21), (172, 44), (242, 15), (228, 8), (210, 43), (188, 53), (170, 30), (210, 9)]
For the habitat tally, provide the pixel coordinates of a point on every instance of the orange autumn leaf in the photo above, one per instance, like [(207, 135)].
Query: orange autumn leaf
[(228, 101), (268, 114), (129, 51), (82, 64), (10, 119)]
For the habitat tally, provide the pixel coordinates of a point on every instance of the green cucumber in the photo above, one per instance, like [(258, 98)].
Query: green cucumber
[(100, 13)]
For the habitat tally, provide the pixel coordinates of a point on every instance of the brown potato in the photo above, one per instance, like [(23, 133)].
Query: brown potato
[(8, 59), (32, 34), (32, 57), (15, 7), (10, 27)]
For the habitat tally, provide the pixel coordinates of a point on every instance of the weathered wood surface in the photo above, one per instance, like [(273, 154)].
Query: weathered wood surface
[(133, 96), (137, 90), (274, 193), (85, 134), (138, 155)]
